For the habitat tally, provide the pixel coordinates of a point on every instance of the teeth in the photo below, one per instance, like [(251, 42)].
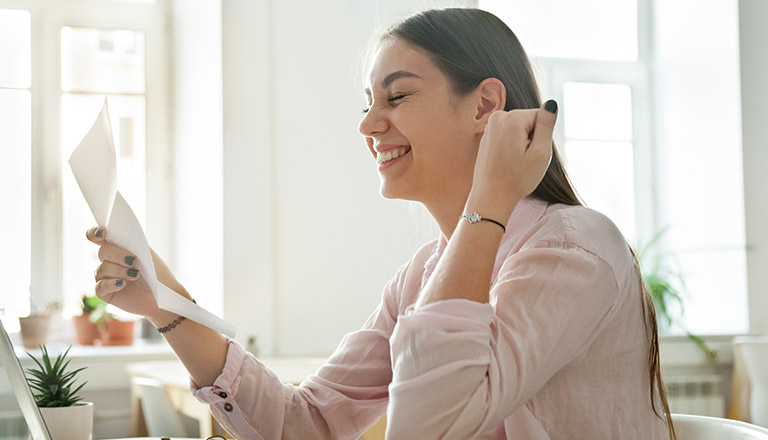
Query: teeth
[(392, 154)]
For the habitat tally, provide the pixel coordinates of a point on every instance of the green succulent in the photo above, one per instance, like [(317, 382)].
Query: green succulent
[(51, 383)]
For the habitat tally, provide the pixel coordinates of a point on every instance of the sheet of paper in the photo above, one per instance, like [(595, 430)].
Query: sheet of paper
[(94, 166)]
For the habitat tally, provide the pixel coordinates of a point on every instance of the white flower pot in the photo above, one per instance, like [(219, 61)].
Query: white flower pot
[(70, 423)]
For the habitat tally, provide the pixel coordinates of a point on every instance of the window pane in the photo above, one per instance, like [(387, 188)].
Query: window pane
[(15, 199), (598, 111), (603, 174), (699, 143), (96, 60), (127, 116), (15, 49), (584, 29)]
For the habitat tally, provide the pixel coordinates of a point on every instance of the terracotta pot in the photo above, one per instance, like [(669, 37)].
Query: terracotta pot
[(71, 422), (87, 332), (117, 333), (34, 330)]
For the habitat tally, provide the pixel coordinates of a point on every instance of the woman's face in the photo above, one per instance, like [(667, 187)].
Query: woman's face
[(421, 134)]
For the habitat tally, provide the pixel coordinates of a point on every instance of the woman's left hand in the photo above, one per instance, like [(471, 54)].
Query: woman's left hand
[(514, 154)]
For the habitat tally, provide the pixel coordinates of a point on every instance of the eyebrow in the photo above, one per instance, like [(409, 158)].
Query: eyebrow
[(392, 77)]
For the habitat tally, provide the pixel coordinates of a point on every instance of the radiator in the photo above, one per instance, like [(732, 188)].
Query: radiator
[(697, 394)]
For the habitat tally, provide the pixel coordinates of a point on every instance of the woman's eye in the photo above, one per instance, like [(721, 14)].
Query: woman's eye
[(397, 97), (392, 99)]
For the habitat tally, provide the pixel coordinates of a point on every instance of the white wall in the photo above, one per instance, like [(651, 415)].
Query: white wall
[(754, 114), (309, 243), (197, 132)]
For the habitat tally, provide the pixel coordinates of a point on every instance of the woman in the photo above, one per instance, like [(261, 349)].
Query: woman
[(525, 319)]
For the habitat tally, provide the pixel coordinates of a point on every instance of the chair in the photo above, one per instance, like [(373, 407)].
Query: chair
[(754, 353), (690, 427), (160, 416)]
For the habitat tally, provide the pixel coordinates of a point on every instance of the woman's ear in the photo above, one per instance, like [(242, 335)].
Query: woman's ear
[(491, 96)]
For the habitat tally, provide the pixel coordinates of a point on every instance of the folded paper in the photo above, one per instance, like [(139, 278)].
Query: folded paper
[(94, 166)]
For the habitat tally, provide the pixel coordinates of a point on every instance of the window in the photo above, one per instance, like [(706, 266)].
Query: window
[(15, 168), (650, 130), (97, 63), (63, 59)]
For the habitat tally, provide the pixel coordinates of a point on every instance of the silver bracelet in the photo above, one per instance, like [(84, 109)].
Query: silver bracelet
[(475, 217)]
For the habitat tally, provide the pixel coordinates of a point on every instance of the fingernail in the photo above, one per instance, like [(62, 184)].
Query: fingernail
[(551, 106), (99, 233), (118, 282), (133, 272), (129, 260)]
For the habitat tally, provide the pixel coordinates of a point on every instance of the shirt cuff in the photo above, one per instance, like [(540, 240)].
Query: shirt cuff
[(226, 385)]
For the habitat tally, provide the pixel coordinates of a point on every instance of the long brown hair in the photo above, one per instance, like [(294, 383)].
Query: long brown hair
[(470, 45)]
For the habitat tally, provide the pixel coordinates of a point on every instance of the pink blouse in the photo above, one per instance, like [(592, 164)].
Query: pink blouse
[(560, 352)]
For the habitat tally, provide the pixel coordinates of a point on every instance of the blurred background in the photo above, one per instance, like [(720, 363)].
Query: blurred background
[(235, 126)]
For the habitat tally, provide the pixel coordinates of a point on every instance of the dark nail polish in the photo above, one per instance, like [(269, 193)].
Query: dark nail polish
[(133, 272), (119, 283), (129, 260), (551, 106), (99, 233)]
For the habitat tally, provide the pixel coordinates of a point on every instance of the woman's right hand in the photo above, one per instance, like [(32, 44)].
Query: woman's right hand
[(119, 282)]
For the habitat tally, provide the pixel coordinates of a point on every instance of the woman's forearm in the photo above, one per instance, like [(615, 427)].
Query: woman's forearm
[(202, 350), (465, 269)]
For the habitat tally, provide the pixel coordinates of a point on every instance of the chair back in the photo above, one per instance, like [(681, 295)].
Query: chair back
[(754, 352), (160, 416), (690, 427)]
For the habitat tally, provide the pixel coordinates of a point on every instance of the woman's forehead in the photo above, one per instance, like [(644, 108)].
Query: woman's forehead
[(396, 59)]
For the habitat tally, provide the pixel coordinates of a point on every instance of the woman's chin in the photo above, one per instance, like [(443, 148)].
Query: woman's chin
[(388, 191)]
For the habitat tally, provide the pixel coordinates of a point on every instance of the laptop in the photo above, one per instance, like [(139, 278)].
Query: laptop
[(10, 363)]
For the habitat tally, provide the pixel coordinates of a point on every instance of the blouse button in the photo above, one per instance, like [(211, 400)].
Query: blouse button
[(223, 395), (228, 407)]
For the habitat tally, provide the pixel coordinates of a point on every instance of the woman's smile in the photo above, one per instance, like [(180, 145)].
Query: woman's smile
[(390, 156)]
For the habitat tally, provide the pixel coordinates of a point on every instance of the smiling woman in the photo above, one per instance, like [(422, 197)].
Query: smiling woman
[(526, 306)]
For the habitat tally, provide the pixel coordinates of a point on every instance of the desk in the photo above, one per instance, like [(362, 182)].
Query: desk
[(174, 376)]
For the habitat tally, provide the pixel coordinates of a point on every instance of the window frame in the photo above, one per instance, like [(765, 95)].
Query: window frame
[(47, 19), (649, 166), (553, 73)]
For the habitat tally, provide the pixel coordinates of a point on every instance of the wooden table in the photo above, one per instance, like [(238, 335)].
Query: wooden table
[(174, 376)]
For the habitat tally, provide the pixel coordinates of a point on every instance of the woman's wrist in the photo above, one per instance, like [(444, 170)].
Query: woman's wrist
[(495, 208), (161, 317)]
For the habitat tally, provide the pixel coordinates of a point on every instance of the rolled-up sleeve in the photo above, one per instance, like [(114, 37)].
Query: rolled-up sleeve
[(461, 367), (341, 400)]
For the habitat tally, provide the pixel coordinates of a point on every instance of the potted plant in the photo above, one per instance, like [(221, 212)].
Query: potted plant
[(34, 328), (97, 325), (56, 393), (666, 287), (86, 330), (112, 331)]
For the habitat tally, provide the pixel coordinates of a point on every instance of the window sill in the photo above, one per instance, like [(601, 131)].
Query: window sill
[(680, 351), (105, 364)]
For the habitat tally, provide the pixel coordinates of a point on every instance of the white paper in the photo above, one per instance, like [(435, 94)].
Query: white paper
[(93, 164)]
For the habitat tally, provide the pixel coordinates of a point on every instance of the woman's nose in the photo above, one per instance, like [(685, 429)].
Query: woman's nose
[(372, 123)]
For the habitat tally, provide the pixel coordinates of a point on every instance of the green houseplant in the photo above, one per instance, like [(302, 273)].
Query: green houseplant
[(666, 285), (87, 331), (97, 324), (55, 388)]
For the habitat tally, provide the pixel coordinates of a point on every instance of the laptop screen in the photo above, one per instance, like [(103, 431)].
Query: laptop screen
[(12, 376)]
